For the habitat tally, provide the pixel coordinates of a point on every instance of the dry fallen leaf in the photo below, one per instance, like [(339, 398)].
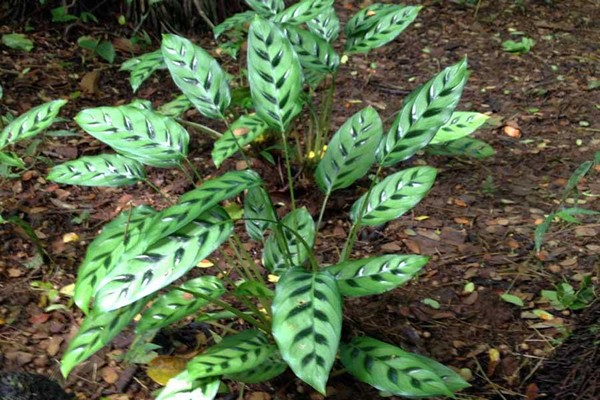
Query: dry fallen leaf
[(163, 368), (109, 375), (511, 131), (89, 82)]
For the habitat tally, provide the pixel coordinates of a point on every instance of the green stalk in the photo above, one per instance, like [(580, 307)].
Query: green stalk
[(202, 128), (326, 113), (325, 200), (288, 167)]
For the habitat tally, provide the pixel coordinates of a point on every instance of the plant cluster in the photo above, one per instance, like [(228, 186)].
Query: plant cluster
[(135, 265)]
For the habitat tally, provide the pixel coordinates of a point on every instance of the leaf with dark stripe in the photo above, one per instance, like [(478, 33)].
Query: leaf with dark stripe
[(315, 53), (283, 249), (234, 23), (197, 74), (461, 124), (96, 331), (391, 369), (366, 18), (234, 354), (393, 196), (179, 303), (105, 250), (274, 74), (303, 11), (242, 132), (100, 170), (376, 275), (467, 147), (379, 27), (307, 323), (142, 67), (266, 8), (137, 275), (326, 24), (424, 112), (184, 387), (30, 123), (259, 214), (267, 370), (351, 151), (137, 133), (176, 107)]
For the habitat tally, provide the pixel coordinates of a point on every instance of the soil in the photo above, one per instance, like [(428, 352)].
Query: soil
[(477, 224)]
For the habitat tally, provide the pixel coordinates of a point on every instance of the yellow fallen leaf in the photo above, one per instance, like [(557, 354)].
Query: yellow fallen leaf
[(205, 264), (70, 237), (68, 290), (421, 218), (163, 368), (273, 278), (494, 355)]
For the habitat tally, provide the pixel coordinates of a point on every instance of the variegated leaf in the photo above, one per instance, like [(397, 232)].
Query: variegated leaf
[(142, 67), (326, 24), (376, 275), (284, 251), (237, 353), (389, 24), (106, 249), (266, 8), (366, 18), (97, 330), (314, 52), (235, 22), (143, 135), (176, 107), (259, 213), (351, 151), (142, 104), (466, 146), (138, 275), (184, 387), (393, 370), (274, 74), (393, 196), (424, 112), (303, 11), (267, 370), (461, 124), (30, 123), (197, 74), (241, 133), (307, 323), (100, 170), (179, 303)]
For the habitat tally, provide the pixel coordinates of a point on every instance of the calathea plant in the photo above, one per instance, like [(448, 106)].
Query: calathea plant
[(138, 264)]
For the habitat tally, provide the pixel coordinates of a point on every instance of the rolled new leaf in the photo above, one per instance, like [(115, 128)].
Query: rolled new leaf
[(197, 74), (274, 74), (307, 323), (393, 196), (142, 67), (461, 124), (326, 24), (242, 132), (424, 112), (30, 123), (391, 369), (303, 11), (184, 387), (100, 170), (259, 213)]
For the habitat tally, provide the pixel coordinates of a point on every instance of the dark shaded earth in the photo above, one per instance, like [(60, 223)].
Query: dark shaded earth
[(477, 223)]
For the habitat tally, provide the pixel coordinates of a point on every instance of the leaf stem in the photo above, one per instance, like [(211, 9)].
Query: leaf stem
[(202, 128), (288, 167), (323, 206)]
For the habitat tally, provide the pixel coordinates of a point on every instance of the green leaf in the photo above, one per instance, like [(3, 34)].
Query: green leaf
[(284, 251), (11, 159), (303, 11), (241, 133), (259, 213), (106, 50), (461, 124), (326, 24), (197, 74), (100, 170), (96, 331), (184, 387), (466, 146), (234, 354), (351, 151), (396, 371), (274, 74), (179, 303), (314, 52), (176, 107), (30, 123), (393, 196), (373, 28), (307, 323), (142, 67), (265, 371), (17, 41), (138, 275), (576, 177), (235, 22), (512, 299), (253, 289), (376, 275), (266, 8), (424, 112), (143, 135), (105, 250)]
